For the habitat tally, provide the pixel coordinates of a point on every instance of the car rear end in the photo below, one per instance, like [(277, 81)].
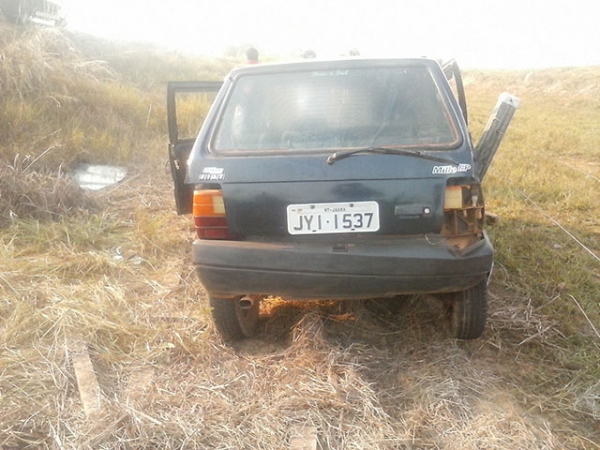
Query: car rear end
[(273, 217)]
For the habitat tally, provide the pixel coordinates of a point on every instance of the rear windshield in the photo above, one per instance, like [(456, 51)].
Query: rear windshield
[(317, 110)]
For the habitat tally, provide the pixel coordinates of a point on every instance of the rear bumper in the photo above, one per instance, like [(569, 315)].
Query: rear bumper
[(319, 270)]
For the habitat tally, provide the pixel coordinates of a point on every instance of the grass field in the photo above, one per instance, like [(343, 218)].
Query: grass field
[(105, 333)]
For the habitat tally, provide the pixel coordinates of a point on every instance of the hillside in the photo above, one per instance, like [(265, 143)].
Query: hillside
[(105, 335)]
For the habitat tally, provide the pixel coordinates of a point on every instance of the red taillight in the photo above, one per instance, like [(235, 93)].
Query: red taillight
[(210, 220)]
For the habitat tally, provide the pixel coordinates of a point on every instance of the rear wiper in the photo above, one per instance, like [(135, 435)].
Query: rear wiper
[(387, 151)]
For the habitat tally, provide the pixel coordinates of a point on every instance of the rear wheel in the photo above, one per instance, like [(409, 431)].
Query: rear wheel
[(235, 318), (467, 310)]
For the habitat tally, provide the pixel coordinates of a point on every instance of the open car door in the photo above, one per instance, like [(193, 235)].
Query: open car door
[(497, 123), (452, 71), (188, 103)]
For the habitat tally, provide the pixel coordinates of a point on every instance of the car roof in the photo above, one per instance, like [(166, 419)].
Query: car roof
[(332, 64)]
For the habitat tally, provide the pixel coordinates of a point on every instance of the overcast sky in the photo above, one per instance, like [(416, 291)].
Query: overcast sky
[(478, 33)]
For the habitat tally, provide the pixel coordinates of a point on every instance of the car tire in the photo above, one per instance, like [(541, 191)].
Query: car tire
[(467, 310), (235, 318)]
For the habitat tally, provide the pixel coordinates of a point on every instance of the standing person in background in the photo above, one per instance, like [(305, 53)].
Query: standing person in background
[(251, 56)]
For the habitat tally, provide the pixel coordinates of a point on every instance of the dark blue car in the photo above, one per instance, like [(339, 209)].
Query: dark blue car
[(347, 179)]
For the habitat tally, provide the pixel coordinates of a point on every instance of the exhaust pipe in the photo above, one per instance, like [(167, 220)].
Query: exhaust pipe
[(246, 303)]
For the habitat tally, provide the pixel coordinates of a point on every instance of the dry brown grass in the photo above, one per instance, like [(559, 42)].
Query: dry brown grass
[(362, 375), (53, 98), (116, 276), (30, 194)]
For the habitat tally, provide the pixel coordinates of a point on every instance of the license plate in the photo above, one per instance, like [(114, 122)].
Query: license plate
[(324, 218)]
